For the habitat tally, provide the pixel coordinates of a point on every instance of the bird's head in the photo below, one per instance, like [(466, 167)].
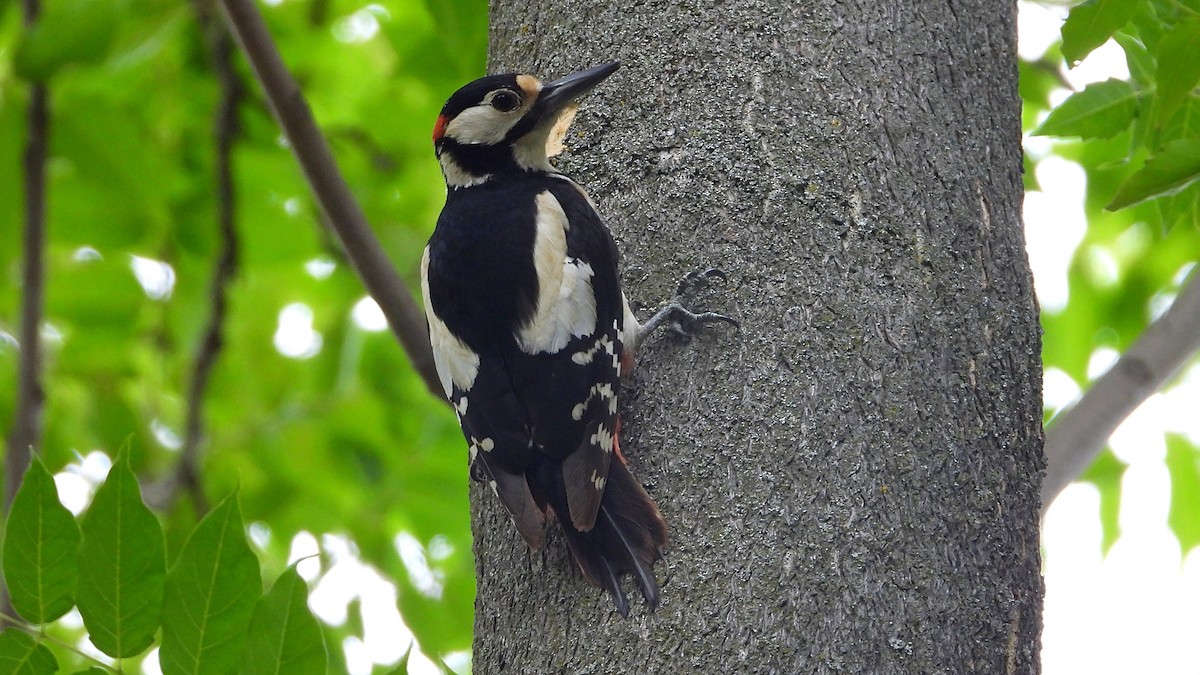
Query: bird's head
[(503, 124)]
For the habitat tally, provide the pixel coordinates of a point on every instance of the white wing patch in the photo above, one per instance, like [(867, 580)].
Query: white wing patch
[(456, 364), (566, 306)]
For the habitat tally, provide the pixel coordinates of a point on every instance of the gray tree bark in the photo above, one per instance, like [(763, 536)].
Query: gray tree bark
[(852, 480)]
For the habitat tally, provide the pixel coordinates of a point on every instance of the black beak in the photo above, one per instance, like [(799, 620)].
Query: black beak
[(557, 94)]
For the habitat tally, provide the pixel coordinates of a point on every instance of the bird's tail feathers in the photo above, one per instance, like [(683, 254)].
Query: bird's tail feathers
[(629, 535)]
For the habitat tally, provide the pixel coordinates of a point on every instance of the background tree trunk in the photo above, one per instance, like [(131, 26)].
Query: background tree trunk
[(852, 480)]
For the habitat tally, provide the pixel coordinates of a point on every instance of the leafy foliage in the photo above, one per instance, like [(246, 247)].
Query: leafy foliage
[(1183, 460), (212, 591), (284, 637), (123, 567), (210, 595), (20, 654), (1138, 141), (39, 549), (331, 435)]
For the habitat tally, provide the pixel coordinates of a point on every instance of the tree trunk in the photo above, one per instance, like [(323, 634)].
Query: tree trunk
[(851, 481)]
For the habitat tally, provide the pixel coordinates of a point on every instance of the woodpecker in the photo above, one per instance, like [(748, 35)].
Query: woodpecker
[(531, 330)]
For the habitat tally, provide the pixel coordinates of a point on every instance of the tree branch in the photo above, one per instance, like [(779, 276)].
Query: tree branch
[(341, 209), (26, 435), (225, 130), (1076, 436)]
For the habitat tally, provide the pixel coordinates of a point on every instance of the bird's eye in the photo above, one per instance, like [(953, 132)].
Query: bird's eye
[(505, 101)]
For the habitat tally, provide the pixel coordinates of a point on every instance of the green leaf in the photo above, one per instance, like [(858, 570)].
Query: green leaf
[(1183, 461), (1091, 24), (1171, 169), (123, 566), (1178, 66), (1137, 58), (284, 636), (40, 549), (94, 670), (20, 654), (67, 31), (1106, 473), (210, 595), (1101, 110)]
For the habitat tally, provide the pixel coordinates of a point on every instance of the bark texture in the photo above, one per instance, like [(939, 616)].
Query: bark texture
[(852, 480)]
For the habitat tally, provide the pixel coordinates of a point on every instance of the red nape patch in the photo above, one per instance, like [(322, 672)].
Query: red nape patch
[(439, 128), (617, 441), (626, 363)]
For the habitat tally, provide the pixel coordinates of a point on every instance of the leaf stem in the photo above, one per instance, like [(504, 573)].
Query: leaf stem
[(41, 634)]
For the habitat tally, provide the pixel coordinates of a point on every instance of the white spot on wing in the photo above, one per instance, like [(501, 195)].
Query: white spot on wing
[(566, 306), (603, 438), (456, 364)]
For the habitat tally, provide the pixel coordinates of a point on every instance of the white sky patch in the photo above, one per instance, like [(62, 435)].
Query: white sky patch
[(361, 25), (1134, 610), (1106, 61), (1101, 360), (86, 254), (51, 334), (74, 491), (1054, 225), (156, 277), (424, 578), (77, 482), (304, 545), (165, 435), (439, 548), (150, 665), (1148, 596), (320, 268), (385, 636), (1037, 28), (292, 206), (368, 316), (8, 341), (260, 534), (1101, 266), (295, 337), (1059, 389)]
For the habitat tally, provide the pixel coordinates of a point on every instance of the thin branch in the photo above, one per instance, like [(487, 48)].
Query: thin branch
[(337, 202), (11, 619), (26, 435), (1076, 436)]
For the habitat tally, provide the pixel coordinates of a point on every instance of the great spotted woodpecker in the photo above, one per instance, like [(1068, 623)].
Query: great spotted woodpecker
[(531, 331)]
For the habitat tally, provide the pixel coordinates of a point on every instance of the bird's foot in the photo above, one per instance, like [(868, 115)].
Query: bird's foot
[(676, 316)]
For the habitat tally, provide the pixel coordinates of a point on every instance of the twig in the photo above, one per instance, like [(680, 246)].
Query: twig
[(11, 619), (26, 435), (225, 130), (338, 204), (1076, 436)]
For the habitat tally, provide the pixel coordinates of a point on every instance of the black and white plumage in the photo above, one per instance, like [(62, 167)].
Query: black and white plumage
[(529, 328)]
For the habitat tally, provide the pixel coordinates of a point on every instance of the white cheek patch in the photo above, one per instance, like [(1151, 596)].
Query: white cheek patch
[(566, 306), (482, 125), (456, 364)]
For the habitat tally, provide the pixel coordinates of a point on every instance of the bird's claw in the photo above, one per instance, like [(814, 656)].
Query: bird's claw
[(696, 281), (681, 320)]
